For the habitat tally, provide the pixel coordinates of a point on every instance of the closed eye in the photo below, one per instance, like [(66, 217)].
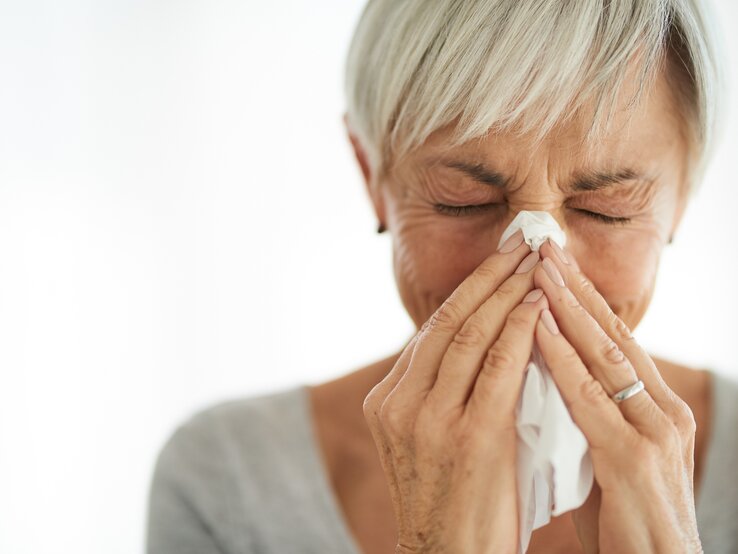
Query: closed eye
[(603, 218), (477, 208), (464, 210)]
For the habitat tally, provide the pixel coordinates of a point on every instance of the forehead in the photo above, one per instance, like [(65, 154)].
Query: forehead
[(645, 136)]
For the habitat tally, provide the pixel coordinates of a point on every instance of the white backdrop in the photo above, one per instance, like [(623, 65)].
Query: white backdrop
[(181, 222)]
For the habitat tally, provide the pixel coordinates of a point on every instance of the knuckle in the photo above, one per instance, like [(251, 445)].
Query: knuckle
[(504, 291), (615, 358), (684, 418), (519, 318), (471, 335), (500, 358), (371, 404), (423, 328), (570, 358), (620, 329), (572, 303), (446, 317), (591, 391), (586, 285), (611, 352), (488, 273), (391, 419), (576, 307)]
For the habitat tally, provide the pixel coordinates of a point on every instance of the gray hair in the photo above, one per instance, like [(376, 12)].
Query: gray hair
[(415, 66)]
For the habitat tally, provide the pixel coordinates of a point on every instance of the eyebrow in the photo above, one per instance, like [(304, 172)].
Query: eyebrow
[(478, 172), (596, 180), (587, 180)]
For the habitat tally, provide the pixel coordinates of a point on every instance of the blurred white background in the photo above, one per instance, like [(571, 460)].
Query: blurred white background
[(182, 222)]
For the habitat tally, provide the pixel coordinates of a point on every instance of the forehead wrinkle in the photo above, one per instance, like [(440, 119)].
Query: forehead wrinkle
[(476, 166)]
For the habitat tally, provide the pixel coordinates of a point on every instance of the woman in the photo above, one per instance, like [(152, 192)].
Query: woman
[(462, 114)]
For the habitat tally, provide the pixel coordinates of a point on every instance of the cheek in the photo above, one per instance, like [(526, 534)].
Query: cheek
[(430, 259), (622, 265)]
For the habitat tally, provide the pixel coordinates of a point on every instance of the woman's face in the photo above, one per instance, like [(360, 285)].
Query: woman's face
[(617, 202)]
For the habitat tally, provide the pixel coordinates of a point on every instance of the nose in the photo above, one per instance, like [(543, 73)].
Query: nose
[(537, 226), (551, 206)]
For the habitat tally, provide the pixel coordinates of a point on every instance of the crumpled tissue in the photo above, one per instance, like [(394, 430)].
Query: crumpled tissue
[(554, 468)]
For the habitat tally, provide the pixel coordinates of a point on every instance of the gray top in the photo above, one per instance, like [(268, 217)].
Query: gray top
[(246, 476)]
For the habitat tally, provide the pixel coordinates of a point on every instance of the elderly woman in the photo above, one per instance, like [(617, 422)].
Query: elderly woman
[(462, 113)]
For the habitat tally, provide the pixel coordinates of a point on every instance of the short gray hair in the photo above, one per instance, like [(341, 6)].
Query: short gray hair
[(415, 66)]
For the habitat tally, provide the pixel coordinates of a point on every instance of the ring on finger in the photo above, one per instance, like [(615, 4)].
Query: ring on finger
[(629, 391)]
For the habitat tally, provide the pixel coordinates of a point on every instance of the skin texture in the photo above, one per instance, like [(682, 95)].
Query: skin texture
[(613, 266), (433, 252), (643, 448)]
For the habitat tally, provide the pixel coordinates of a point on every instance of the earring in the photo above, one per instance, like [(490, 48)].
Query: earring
[(671, 239), (381, 228)]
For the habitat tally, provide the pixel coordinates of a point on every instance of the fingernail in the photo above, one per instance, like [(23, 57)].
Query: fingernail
[(512, 242), (553, 272), (533, 296), (528, 262), (559, 252), (549, 322)]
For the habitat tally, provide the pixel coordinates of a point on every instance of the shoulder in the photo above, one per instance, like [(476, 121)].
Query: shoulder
[(198, 479), (217, 436), (724, 396), (717, 506), (725, 384)]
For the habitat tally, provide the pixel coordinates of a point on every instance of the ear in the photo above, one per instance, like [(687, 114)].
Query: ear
[(372, 188)]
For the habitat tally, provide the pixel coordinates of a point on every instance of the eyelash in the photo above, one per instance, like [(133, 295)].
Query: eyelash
[(463, 210), (608, 219), (474, 208)]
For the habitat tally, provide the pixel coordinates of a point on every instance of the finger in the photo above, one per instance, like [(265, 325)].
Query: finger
[(598, 417), (616, 329), (438, 331), (381, 390), (469, 346), (598, 352), (373, 404), (497, 384)]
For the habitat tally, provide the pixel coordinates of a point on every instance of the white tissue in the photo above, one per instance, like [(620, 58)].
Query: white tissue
[(554, 469), (537, 227)]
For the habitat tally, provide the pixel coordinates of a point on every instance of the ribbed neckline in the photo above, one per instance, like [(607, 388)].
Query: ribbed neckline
[(334, 512)]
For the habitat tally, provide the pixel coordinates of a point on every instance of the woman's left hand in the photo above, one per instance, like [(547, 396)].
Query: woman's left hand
[(642, 448)]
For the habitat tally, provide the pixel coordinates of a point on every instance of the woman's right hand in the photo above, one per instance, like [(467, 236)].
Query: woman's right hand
[(443, 419)]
